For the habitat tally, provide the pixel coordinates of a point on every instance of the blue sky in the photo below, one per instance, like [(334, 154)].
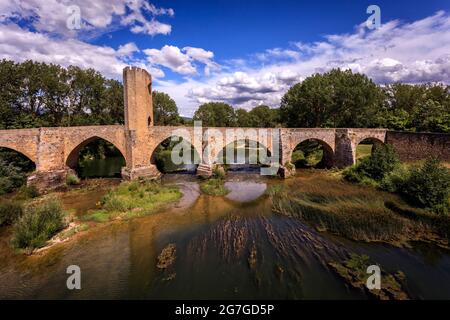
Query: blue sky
[(243, 52)]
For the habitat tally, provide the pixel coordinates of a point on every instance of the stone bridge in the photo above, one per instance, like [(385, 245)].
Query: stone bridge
[(55, 150)]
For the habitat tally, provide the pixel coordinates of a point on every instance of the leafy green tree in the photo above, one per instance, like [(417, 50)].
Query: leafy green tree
[(216, 114), (429, 186), (263, 117), (165, 110), (243, 118), (333, 99)]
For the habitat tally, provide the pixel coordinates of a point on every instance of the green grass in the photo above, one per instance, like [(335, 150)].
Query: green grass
[(133, 199), (214, 187)]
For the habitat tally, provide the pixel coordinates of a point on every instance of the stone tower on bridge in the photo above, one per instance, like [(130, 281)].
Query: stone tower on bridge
[(138, 108)]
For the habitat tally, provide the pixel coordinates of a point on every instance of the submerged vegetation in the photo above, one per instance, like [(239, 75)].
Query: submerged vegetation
[(356, 212), (354, 272), (133, 199), (215, 186)]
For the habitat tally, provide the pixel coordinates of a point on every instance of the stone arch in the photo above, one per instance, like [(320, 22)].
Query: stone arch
[(216, 139), (22, 153), (362, 152), (22, 150), (153, 150), (328, 151), (71, 159), (216, 157)]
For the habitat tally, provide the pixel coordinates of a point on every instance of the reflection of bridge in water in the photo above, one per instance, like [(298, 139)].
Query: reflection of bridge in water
[(55, 150)]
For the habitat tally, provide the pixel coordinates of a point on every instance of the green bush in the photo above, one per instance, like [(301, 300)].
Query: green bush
[(428, 186), (38, 224), (219, 172), (11, 177), (72, 180), (395, 180), (382, 162), (214, 187), (9, 212), (28, 192)]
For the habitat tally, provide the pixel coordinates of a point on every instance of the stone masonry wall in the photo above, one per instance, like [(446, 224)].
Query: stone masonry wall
[(412, 146)]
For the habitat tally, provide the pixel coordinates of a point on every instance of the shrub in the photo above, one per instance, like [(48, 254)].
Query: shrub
[(382, 162), (429, 186), (28, 192), (214, 187), (11, 177), (38, 224), (219, 172), (9, 212), (72, 180), (395, 180)]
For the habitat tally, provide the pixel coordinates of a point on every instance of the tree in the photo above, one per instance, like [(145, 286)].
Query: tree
[(216, 114), (263, 117), (165, 110), (333, 99), (242, 118)]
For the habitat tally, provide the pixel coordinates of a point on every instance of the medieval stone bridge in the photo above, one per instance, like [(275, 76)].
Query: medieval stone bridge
[(55, 150)]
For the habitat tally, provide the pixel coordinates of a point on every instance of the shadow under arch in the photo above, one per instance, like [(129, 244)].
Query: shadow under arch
[(161, 156), (313, 153), (15, 167), (244, 155), (96, 157), (366, 146)]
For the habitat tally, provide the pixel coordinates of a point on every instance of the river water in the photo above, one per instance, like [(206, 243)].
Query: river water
[(211, 248)]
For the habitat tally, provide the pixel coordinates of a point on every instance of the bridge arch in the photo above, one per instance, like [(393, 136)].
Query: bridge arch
[(328, 154), (71, 160), (254, 152), (21, 150), (160, 154)]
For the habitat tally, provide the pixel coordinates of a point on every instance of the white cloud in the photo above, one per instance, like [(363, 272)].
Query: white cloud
[(182, 61), (51, 15), (127, 50), (19, 45), (171, 57), (407, 52)]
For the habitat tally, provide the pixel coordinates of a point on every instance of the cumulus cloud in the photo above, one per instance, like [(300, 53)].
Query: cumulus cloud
[(52, 15), (182, 61), (20, 45), (397, 52)]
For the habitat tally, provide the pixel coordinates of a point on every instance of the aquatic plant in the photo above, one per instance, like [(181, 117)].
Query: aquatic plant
[(133, 199), (354, 272), (214, 187), (355, 212)]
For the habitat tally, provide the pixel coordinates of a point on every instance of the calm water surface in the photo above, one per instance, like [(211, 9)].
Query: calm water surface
[(230, 247)]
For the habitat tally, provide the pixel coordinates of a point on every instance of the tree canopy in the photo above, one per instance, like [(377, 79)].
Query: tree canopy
[(165, 110), (215, 114), (36, 94)]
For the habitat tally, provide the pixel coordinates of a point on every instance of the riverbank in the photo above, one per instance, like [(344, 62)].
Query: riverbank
[(83, 206), (356, 212)]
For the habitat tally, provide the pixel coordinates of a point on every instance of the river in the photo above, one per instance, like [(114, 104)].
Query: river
[(211, 248)]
